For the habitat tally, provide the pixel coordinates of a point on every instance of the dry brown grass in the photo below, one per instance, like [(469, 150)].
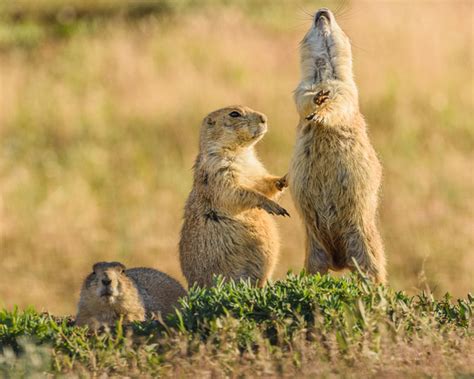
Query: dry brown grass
[(98, 132), (424, 357)]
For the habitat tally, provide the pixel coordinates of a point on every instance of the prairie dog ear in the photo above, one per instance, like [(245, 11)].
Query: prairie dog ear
[(120, 267), (95, 266)]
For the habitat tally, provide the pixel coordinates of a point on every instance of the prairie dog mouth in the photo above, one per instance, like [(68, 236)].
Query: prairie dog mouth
[(322, 17), (108, 297), (107, 293), (260, 131), (323, 14)]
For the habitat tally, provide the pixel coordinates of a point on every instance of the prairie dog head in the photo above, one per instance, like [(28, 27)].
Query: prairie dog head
[(105, 281), (325, 59), (232, 129), (326, 50)]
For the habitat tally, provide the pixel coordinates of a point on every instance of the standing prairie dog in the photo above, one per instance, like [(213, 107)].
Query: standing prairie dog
[(334, 175), (228, 228), (111, 291)]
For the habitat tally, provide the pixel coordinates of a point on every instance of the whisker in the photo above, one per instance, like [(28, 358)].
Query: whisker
[(304, 20), (347, 7), (338, 5), (304, 16), (357, 46), (349, 12), (341, 8), (299, 26), (306, 12)]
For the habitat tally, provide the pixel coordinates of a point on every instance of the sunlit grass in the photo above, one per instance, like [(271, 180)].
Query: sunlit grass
[(303, 326)]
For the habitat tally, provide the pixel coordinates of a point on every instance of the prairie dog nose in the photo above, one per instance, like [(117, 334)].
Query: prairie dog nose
[(323, 12), (106, 282), (263, 118)]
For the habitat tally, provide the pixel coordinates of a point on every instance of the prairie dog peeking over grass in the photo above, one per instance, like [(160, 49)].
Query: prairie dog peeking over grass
[(228, 227), (111, 292), (334, 174)]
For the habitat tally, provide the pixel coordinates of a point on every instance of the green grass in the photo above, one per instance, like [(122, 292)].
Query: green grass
[(239, 327), (101, 112)]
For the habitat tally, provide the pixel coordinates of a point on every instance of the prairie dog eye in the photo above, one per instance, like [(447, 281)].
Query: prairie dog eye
[(235, 114)]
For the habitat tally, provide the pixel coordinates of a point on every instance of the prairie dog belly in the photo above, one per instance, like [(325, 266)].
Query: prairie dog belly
[(262, 224), (318, 172), (241, 246), (333, 175), (252, 239)]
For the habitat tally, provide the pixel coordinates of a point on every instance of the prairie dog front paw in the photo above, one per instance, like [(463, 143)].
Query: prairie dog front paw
[(321, 97), (273, 208), (282, 183)]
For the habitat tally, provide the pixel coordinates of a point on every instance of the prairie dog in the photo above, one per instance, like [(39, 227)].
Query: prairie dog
[(228, 228), (111, 291), (334, 175)]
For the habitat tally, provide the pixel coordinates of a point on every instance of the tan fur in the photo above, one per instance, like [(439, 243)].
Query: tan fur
[(132, 294), (227, 225), (335, 174)]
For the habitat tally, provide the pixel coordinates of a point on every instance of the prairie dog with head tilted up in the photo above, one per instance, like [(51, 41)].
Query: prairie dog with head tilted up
[(110, 291), (334, 175), (228, 227)]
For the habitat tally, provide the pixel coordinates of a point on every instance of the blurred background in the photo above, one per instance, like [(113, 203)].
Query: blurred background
[(101, 103)]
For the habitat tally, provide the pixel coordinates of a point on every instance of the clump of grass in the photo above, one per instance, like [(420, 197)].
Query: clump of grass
[(300, 298), (236, 328)]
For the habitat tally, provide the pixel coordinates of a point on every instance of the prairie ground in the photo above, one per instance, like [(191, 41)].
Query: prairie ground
[(100, 111)]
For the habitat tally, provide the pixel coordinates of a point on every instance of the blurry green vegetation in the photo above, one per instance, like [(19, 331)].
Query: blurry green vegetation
[(28, 22)]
